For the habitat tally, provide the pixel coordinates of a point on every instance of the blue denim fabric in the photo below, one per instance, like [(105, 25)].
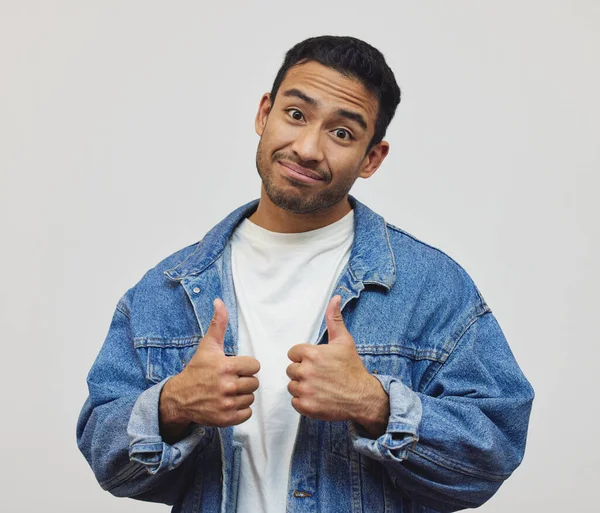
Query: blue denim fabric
[(459, 404)]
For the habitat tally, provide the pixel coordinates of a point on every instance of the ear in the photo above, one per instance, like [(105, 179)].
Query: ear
[(263, 113), (373, 159)]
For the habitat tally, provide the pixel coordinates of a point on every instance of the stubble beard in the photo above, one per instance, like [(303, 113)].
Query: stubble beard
[(298, 199)]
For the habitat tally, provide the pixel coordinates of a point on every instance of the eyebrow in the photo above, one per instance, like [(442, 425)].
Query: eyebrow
[(348, 114)]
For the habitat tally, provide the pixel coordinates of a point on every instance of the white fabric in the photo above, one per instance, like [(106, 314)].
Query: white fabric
[(283, 282)]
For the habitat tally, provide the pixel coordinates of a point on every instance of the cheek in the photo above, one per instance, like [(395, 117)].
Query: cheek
[(278, 129), (276, 138), (344, 166)]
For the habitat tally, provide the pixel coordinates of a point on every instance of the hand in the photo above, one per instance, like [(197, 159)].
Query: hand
[(330, 382), (213, 389)]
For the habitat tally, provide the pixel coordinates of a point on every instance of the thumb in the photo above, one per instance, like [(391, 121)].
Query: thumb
[(335, 322), (215, 334)]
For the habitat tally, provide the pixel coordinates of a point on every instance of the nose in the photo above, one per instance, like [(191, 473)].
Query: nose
[(307, 144)]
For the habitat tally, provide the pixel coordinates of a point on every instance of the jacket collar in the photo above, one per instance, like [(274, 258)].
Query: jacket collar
[(371, 258)]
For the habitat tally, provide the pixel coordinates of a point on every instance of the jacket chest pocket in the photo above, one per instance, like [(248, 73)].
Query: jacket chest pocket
[(162, 358), (390, 365)]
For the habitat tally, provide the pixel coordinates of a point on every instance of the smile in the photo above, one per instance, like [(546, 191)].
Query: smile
[(299, 173)]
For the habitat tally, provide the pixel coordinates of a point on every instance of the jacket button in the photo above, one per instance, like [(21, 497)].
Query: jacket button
[(196, 290)]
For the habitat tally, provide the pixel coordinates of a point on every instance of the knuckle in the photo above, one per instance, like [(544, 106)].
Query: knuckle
[(301, 388), (304, 389), (227, 419), (310, 408), (229, 387), (228, 403), (301, 405), (301, 372), (311, 353), (214, 322), (245, 415), (228, 366)]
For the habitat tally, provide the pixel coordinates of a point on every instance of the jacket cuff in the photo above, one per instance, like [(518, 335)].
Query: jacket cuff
[(146, 446), (402, 431)]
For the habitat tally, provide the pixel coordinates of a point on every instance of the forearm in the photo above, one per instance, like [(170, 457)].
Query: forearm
[(373, 410), (430, 463), (103, 440), (437, 487), (122, 444), (173, 424), (454, 463), (118, 430), (453, 445)]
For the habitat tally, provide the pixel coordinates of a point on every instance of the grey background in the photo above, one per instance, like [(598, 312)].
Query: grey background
[(126, 132)]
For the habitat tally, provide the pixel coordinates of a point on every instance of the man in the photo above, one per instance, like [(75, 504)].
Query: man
[(305, 355)]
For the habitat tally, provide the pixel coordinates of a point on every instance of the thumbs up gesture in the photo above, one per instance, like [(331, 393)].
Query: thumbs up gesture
[(330, 382), (213, 389)]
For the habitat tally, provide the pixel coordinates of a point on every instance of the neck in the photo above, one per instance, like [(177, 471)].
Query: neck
[(275, 219)]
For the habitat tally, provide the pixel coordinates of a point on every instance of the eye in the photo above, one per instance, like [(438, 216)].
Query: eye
[(342, 133), (295, 114)]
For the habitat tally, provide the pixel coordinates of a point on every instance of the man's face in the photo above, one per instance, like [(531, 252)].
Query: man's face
[(314, 138)]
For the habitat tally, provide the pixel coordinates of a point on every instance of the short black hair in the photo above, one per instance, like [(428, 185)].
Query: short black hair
[(355, 59)]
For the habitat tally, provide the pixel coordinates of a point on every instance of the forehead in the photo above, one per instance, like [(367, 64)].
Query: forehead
[(331, 88)]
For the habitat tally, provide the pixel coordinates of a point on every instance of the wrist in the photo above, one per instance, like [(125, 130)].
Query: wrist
[(374, 409), (172, 419)]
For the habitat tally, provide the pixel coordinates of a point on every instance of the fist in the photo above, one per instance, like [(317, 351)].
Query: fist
[(329, 381), (213, 389)]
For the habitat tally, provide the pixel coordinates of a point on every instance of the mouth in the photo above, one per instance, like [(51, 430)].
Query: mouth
[(300, 173)]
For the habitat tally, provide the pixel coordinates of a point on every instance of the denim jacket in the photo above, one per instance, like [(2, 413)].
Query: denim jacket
[(459, 404)]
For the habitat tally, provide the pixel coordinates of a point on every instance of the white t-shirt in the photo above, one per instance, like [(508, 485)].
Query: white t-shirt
[(283, 282)]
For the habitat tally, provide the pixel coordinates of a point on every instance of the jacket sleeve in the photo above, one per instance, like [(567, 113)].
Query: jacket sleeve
[(118, 427), (453, 445)]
